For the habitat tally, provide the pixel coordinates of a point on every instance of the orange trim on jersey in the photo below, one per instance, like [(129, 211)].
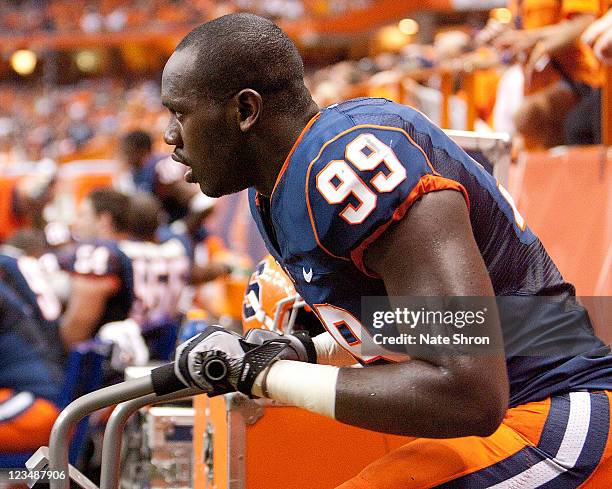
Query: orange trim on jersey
[(30, 429), (316, 312), (427, 183), (293, 148), (327, 143), (339, 343)]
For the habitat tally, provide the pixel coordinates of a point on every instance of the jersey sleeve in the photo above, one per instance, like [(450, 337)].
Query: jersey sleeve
[(98, 260), (361, 182)]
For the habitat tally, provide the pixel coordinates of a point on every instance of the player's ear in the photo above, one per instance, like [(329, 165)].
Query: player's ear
[(249, 108)]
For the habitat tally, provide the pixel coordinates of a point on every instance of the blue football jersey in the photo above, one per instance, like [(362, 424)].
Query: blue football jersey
[(23, 274), (355, 170), (26, 362), (103, 258)]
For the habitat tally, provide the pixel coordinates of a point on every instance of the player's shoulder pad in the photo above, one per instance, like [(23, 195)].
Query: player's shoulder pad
[(97, 258), (360, 180)]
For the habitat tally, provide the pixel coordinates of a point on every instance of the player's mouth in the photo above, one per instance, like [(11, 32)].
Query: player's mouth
[(189, 173)]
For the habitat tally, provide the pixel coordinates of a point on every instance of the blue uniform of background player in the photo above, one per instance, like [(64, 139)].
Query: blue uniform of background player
[(30, 380)]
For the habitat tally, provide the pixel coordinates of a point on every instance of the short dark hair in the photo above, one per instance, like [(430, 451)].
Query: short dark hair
[(114, 203), (145, 215), (239, 51), (137, 140)]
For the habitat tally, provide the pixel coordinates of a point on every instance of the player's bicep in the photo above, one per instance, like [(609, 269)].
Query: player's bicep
[(431, 251)]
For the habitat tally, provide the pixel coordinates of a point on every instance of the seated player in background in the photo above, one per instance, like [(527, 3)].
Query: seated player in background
[(101, 285), (369, 198), (30, 382), (24, 275), (120, 270), (156, 174), (161, 272)]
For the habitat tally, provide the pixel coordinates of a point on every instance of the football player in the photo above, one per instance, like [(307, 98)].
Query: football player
[(101, 285), (369, 198), (156, 174), (30, 382), (120, 270), (161, 271), (24, 275)]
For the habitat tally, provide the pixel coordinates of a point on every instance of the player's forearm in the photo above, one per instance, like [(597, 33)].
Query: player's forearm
[(418, 398), (414, 398)]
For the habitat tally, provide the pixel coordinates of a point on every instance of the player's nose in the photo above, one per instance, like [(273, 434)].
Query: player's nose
[(172, 134)]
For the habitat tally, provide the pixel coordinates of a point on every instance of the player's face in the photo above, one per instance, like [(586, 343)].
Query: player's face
[(203, 131), (86, 224)]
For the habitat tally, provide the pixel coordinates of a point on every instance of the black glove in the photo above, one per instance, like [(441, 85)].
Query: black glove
[(219, 361), (300, 348)]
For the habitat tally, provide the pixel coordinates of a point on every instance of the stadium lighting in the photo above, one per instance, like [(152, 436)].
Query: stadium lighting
[(408, 26), (391, 38), (87, 60), (502, 15), (23, 61)]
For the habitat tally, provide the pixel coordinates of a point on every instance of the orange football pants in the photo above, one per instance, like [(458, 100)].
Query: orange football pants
[(560, 443), (25, 421)]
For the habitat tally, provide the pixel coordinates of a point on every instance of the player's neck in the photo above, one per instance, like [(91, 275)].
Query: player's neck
[(280, 141)]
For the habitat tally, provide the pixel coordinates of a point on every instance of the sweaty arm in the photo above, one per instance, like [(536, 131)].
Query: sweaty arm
[(85, 309), (444, 396)]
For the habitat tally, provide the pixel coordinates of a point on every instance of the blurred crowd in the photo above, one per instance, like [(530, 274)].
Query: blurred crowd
[(33, 16), (26, 17), (530, 76), (67, 123)]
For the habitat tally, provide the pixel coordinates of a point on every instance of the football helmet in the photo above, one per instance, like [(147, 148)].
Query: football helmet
[(271, 301)]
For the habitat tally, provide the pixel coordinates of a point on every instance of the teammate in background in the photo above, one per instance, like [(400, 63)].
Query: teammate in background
[(24, 275), (30, 383), (161, 272), (119, 270), (202, 245), (156, 174), (102, 288), (369, 198)]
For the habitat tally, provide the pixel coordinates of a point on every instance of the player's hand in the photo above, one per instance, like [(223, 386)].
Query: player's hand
[(300, 347), (219, 361)]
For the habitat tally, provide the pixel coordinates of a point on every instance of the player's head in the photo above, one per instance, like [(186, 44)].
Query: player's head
[(271, 302), (216, 85), (102, 214), (135, 147), (145, 216)]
